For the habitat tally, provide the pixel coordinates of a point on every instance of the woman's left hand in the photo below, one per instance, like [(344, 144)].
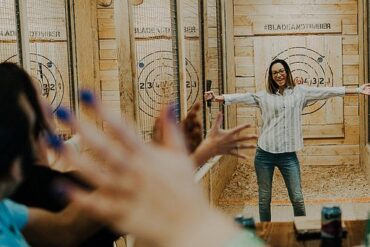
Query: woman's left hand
[(364, 89)]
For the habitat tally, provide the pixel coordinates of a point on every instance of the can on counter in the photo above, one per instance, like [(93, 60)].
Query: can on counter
[(367, 233), (246, 223), (331, 222)]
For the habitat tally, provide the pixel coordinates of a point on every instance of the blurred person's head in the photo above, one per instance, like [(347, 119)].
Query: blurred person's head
[(15, 81), (21, 124), (16, 152)]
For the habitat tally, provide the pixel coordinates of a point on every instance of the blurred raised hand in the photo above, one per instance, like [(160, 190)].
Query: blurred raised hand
[(223, 142), (144, 189), (217, 142)]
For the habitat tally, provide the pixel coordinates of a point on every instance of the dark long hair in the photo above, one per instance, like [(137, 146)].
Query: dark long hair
[(13, 82), (272, 86), (15, 129), (15, 142)]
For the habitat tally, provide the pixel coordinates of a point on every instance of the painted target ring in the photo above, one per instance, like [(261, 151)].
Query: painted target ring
[(48, 77), (309, 68), (157, 84)]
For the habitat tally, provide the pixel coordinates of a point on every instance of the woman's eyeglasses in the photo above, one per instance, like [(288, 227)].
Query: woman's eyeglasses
[(281, 72)]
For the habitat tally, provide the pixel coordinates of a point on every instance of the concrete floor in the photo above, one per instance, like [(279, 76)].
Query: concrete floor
[(322, 185), (319, 184), (350, 211)]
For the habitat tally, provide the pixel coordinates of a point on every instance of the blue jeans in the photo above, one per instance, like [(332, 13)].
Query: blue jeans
[(288, 165)]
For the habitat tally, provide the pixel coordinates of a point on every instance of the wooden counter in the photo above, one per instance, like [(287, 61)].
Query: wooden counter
[(283, 234)]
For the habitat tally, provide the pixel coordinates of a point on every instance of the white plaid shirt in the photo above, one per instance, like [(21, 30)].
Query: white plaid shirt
[(282, 114)]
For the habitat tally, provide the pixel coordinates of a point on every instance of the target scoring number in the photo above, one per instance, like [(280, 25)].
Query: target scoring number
[(156, 82), (48, 76), (309, 68)]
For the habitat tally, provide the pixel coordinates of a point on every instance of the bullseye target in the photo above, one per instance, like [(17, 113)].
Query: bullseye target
[(48, 77), (309, 68), (156, 84)]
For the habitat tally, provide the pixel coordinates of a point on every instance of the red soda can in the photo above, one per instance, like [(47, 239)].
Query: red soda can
[(331, 222)]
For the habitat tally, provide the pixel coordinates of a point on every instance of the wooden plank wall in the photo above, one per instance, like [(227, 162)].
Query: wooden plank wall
[(108, 67), (108, 62), (220, 174), (213, 58), (364, 101), (214, 181), (147, 43), (318, 151), (159, 59), (45, 48), (86, 51), (213, 46)]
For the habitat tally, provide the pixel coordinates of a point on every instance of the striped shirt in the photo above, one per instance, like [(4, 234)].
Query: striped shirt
[(282, 114)]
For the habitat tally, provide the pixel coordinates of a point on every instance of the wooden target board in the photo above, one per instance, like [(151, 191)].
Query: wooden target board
[(315, 61), (48, 77), (157, 65), (156, 82), (49, 50), (48, 46)]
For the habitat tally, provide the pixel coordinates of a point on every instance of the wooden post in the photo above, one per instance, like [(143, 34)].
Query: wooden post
[(206, 122), (126, 58), (72, 56), (221, 174), (87, 50), (229, 58), (362, 41), (22, 34), (181, 59), (363, 78)]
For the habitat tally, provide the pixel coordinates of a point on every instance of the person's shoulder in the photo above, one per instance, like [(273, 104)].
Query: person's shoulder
[(300, 88), (12, 206), (8, 203)]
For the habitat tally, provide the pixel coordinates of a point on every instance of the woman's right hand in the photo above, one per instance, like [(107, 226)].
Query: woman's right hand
[(210, 95)]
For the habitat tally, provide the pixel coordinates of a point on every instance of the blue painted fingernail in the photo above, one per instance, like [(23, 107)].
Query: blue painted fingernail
[(63, 114), (172, 112), (87, 97), (54, 141)]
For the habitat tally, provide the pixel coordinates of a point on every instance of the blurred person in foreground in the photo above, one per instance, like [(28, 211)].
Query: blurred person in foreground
[(148, 190)]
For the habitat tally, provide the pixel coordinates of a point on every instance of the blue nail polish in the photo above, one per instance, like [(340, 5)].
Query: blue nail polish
[(87, 97), (63, 114), (172, 112), (54, 141)]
